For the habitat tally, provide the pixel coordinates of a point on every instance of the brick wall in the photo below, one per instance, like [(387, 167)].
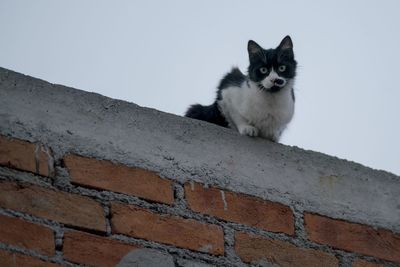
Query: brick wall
[(70, 209)]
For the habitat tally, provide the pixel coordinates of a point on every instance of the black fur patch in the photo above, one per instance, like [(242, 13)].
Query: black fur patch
[(209, 113), (234, 78)]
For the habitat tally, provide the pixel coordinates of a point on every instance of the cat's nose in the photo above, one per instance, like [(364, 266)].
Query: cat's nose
[(279, 82)]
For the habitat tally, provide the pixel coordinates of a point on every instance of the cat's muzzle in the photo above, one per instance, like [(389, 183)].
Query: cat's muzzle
[(279, 82)]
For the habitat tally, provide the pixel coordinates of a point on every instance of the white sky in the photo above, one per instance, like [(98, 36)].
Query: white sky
[(170, 54)]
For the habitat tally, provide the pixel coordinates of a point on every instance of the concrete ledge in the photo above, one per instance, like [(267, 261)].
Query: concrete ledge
[(89, 124)]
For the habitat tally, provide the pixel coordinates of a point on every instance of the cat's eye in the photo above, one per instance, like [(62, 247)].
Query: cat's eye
[(263, 70), (282, 68)]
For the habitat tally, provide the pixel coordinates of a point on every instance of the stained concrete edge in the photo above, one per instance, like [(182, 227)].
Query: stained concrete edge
[(74, 121)]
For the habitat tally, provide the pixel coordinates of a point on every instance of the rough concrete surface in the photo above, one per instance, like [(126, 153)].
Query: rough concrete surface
[(188, 263), (73, 121), (146, 258)]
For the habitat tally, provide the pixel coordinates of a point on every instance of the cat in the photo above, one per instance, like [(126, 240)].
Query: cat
[(260, 103)]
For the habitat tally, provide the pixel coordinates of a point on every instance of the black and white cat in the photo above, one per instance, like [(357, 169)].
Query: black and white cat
[(261, 103)]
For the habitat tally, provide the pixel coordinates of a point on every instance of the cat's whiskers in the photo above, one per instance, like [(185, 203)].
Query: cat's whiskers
[(262, 87)]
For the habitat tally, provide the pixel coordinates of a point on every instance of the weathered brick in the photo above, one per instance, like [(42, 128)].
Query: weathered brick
[(106, 175), (10, 259), (353, 237), (185, 233), (69, 209), (26, 156), (240, 208), (364, 263), (257, 249), (94, 250), (20, 233)]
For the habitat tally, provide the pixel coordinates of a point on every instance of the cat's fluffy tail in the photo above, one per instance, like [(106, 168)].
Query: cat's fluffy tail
[(209, 113)]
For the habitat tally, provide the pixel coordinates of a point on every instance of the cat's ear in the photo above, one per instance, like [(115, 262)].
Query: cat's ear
[(255, 51), (285, 49), (286, 43)]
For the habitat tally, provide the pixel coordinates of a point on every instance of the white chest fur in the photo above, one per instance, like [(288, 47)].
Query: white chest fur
[(248, 107)]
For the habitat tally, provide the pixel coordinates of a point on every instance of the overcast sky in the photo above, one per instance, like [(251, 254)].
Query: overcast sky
[(170, 54)]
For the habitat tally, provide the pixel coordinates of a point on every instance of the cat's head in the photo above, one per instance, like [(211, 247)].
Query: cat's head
[(272, 69)]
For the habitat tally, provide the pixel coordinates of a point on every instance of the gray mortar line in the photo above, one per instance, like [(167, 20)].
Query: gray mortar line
[(61, 179), (229, 243), (107, 215), (299, 226), (344, 261), (59, 242), (179, 196)]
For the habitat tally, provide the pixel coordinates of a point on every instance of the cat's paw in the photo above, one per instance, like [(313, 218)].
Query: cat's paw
[(248, 130)]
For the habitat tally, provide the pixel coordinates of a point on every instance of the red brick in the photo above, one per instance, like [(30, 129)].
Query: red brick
[(69, 209), (10, 259), (353, 237), (185, 233), (22, 155), (106, 175), (20, 233), (239, 208), (257, 249), (94, 250), (363, 263)]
